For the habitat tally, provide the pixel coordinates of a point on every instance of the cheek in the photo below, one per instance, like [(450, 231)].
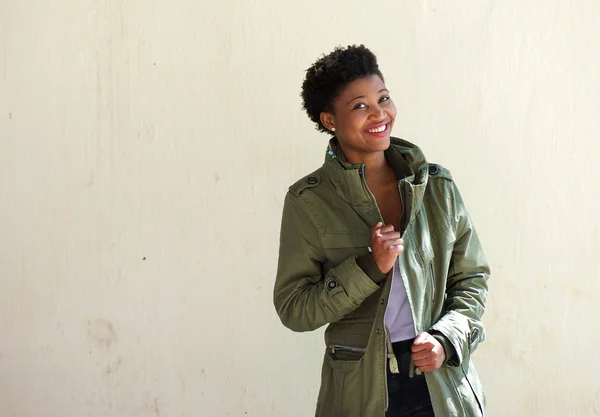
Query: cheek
[(392, 111), (355, 120)]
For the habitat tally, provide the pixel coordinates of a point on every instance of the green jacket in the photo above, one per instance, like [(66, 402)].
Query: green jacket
[(326, 275)]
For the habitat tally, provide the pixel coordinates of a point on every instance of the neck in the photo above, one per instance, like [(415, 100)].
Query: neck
[(376, 166)]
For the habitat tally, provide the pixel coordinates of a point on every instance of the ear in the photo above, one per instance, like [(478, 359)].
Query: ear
[(328, 120)]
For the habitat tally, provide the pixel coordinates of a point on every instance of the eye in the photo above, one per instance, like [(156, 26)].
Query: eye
[(384, 98), (359, 106)]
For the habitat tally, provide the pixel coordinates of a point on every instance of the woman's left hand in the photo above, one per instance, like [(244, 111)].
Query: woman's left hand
[(427, 353)]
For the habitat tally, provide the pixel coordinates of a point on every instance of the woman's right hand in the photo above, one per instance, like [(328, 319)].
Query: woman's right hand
[(386, 245)]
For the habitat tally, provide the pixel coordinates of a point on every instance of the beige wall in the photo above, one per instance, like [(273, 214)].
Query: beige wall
[(145, 149)]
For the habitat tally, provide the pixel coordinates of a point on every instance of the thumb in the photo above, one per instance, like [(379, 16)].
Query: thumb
[(420, 338)]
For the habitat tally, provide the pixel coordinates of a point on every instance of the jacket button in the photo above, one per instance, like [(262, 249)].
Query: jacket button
[(311, 180), (332, 284), (382, 301), (433, 169)]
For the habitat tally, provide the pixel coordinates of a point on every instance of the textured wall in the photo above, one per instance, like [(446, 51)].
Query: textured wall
[(145, 149)]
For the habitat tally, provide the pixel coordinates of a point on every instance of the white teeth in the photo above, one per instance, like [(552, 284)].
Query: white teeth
[(378, 130)]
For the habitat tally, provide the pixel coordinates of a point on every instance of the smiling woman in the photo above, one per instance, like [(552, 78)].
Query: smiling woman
[(364, 114), (377, 244)]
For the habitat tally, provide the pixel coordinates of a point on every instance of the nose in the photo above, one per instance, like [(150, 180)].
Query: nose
[(377, 112)]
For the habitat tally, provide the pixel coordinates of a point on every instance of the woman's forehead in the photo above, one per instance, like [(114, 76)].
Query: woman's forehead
[(363, 86)]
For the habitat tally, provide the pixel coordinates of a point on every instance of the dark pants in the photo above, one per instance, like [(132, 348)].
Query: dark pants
[(407, 396)]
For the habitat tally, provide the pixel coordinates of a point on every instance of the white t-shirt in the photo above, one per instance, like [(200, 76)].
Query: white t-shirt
[(398, 317)]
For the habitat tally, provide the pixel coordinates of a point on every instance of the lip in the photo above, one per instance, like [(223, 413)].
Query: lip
[(376, 125)]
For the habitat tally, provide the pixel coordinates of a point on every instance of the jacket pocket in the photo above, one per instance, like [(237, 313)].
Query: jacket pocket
[(341, 391), (432, 279), (341, 246)]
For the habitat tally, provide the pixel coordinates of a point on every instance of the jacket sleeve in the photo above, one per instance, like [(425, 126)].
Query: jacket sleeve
[(466, 288), (304, 298)]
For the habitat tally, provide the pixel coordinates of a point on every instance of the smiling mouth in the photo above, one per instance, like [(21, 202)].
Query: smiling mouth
[(379, 129)]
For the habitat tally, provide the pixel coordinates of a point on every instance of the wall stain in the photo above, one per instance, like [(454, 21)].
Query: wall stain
[(102, 333), (181, 379), (517, 351), (113, 368), (151, 410), (90, 183)]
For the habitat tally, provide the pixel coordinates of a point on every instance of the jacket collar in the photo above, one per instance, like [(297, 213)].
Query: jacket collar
[(405, 158)]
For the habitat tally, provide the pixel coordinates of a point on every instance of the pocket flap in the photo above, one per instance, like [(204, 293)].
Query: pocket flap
[(346, 240)]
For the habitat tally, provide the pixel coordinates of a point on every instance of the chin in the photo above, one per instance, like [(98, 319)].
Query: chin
[(380, 144)]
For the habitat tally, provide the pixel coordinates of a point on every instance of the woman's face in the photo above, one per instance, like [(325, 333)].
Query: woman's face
[(363, 117)]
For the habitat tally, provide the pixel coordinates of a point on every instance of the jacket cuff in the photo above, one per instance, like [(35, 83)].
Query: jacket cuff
[(370, 268), (448, 348)]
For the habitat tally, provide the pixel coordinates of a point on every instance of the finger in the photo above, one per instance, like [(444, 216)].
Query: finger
[(429, 368), (394, 242), (419, 348), (396, 248), (424, 363), (419, 343), (386, 233), (391, 236), (426, 346), (387, 228), (376, 230), (421, 356), (425, 353)]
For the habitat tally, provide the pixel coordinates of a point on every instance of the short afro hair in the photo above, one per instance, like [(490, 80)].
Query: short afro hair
[(327, 77)]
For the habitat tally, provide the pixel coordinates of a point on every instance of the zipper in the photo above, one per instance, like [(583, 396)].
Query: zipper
[(341, 348), (432, 280), (473, 390), (403, 208), (361, 173)]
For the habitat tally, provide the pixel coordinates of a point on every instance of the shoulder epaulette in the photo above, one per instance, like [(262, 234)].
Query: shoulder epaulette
[(309, 181), (438, 171)]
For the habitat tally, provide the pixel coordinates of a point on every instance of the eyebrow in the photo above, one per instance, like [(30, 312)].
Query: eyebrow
[(380, 91)]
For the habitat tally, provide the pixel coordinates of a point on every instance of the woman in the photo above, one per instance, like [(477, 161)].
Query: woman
[(377, 243)]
